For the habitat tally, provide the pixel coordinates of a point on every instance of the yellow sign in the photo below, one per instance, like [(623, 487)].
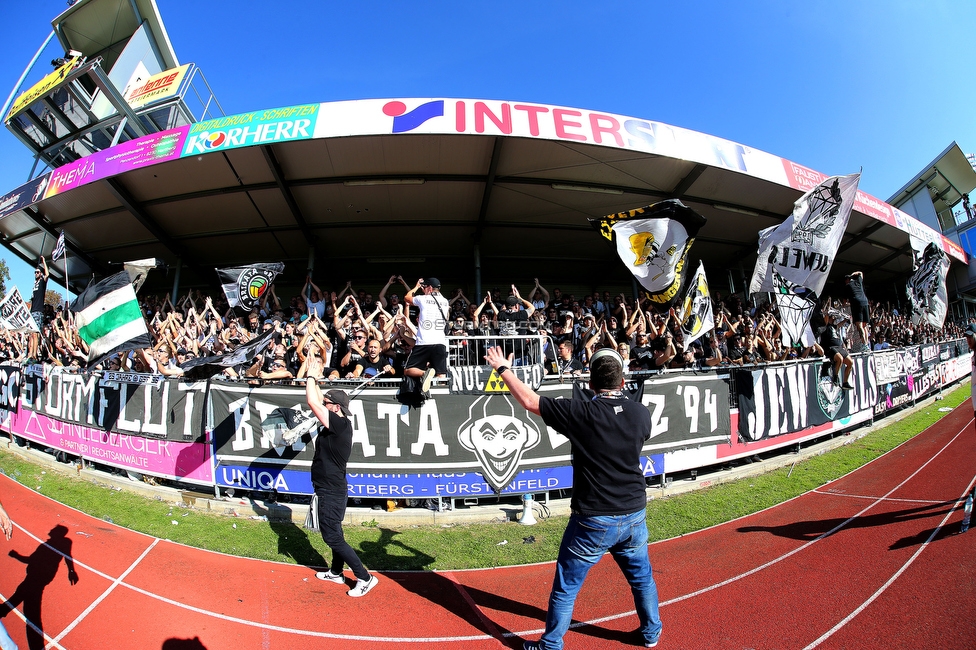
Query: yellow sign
[(495, 383), (162, 85), (42, 87)]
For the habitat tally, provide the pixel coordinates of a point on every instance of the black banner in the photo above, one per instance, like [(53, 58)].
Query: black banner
[(490, 434), (785, 399), (173, 410), (9, 388)]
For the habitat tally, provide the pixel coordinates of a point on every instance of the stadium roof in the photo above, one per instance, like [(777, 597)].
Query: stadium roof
[(419, 187)]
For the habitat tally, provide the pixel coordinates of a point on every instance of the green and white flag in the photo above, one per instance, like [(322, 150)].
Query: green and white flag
[(109, 319)]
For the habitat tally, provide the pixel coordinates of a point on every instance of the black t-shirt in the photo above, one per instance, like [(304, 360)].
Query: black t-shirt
[(856, 288), (830, 337), (332, 448), (642, 358), (607, 435), (37, 296), (512, 322)]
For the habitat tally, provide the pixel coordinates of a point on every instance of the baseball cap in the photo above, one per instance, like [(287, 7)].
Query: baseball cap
[(511, 301), (433, 283), (339, 397)]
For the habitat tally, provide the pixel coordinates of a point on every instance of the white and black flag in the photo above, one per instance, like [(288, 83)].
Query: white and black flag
[(244, 286), (58, 251), (802, 248), (926, 289), (653, 242)]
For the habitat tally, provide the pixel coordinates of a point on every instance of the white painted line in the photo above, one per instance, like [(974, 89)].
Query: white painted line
[(105, 593), (826, 635)]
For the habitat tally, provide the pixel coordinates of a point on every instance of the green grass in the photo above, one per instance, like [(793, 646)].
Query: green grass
[(460, 546)]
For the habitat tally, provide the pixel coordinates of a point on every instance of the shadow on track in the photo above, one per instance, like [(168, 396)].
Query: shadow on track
[(42, 568), (806, 531)]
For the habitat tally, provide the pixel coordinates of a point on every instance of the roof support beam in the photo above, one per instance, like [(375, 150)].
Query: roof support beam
[(894, 255), (136, 210), (279, 178), (860, 236), (496, 151), (685, 183)]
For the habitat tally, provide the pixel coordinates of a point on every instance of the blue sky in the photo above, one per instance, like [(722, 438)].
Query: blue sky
[(836, 86)]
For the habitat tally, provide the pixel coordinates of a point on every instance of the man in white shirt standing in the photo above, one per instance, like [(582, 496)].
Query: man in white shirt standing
[(429, 356)]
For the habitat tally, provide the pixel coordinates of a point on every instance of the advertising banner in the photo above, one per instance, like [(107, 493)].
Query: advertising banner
[(185, 461), (9, 388), (448, 434), (158, 87), (785, 399), (42, 87), (173, 410), (147, 150), (247, 129), (27, 194)]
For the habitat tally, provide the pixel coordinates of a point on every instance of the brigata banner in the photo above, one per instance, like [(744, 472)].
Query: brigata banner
[(9, 388), (489, 434), (173, 410), (184, 461)]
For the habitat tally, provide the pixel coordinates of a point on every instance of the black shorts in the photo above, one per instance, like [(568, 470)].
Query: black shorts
[(860, 312), (434, 356), (834, 351)]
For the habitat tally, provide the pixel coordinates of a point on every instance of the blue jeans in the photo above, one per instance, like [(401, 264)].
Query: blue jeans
[(6, 643), (585, 541)]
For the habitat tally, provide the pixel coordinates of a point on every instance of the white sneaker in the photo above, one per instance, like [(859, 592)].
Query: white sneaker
[(337, 578), (427, 380), (363, 587)]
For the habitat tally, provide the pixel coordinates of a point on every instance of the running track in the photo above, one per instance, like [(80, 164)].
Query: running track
[(872, 560)]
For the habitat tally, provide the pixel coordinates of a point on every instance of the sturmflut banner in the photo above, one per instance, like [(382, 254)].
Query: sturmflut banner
[(171, 410), (487, 435)]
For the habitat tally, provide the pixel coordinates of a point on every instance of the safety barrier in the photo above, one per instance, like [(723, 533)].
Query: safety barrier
[(223, 434)]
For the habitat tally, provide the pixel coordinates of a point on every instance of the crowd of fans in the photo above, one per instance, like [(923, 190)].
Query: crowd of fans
[(359, 336)]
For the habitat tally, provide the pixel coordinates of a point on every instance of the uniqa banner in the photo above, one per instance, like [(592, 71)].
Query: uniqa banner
[(488, 434), (173, 410)]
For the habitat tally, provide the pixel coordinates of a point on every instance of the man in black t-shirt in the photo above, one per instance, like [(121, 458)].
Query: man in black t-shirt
[(860, 310), (333, 444), (833, 347), (41, 275), (607, 433)]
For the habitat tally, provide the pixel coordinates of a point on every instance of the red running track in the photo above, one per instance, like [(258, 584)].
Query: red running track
[(872, 560)]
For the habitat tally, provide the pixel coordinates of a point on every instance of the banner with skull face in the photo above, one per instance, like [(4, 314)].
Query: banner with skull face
[(696, 315), (269, 428)]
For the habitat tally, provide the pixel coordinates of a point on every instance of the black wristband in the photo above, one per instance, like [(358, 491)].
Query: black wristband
[(501, 369)]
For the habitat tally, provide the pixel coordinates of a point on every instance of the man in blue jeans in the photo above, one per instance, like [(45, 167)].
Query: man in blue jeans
[(609, 501)]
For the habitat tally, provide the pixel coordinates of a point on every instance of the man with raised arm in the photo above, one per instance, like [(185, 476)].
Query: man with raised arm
[(609, 501)]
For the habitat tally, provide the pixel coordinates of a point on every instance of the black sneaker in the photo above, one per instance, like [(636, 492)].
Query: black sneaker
[(847, 386)]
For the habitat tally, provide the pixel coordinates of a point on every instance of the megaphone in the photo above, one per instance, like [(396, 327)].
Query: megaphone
[(528, 518)]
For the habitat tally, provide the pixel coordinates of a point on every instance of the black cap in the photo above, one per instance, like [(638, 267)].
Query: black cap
[(339, 397), (433, 283), (511, 301)]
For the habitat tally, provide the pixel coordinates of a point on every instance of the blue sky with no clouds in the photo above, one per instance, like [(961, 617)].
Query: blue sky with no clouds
[(835, 86)]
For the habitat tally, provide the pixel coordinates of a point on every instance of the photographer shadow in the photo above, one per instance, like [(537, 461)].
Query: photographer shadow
[(42, 568)]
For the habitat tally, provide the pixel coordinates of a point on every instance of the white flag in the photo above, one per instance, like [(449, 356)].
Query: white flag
[(926, 288), (58, 251), (802, 248), (697, 318)]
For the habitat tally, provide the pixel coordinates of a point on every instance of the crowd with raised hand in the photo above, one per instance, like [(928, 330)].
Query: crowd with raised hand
[(355, 336)]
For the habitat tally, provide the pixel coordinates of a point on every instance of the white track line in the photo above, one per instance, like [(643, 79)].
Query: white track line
[(105, 593), (353, 637), (826, 635)]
